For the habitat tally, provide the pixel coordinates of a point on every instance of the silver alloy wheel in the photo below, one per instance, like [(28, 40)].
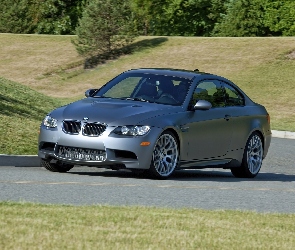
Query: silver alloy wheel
[(165, 155), (254, 154)]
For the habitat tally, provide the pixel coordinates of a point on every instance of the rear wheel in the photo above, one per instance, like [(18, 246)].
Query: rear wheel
[(56, 167), (165, 156), (252, 159)]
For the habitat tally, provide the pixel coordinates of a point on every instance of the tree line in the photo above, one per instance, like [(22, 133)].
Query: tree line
[(154, 17)]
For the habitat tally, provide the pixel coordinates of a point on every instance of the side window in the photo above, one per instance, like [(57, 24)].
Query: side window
[(211, 91), (232, 96), (181, 87)]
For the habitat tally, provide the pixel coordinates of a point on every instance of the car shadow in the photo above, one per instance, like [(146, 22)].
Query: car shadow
[(190, 175), (225, 176)]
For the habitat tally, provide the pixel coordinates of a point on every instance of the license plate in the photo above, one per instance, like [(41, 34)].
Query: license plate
[(81, 154)]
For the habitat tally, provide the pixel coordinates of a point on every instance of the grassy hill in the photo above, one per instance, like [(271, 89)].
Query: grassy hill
[(21, 112), (53, 73)]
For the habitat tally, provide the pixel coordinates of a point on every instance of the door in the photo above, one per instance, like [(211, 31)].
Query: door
[(208, 132)]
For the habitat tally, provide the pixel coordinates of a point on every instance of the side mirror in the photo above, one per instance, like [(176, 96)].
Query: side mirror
[(90, 92), (202, 105)]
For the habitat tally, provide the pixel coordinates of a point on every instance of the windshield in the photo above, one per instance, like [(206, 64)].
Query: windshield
[(147, 87)]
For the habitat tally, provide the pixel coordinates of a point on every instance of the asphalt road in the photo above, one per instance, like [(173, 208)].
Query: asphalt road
[(273, 190)]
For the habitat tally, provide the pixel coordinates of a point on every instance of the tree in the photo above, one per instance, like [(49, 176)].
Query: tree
[(151, 16), (243, 18), (186, 17), (280, 17), (192, 17), (177, 17), (58, 17), (16, 16), (105, 28), (39, 16), (142, 18)]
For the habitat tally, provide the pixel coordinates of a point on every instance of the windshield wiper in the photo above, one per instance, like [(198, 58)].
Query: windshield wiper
[(135, 99), (100, 96)]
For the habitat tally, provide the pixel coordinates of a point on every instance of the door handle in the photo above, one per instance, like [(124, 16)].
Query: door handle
[(226, 117)]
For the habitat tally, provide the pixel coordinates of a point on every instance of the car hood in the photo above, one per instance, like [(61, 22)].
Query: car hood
[(113, 112)]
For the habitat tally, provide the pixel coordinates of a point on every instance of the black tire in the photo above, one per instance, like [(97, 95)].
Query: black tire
[(165, 156), (56, 167), (252, 158)]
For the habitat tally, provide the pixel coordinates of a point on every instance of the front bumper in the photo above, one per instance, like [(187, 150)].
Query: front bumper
[(119, 150)]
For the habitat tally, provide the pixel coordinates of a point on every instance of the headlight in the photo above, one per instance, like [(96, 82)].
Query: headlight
[(132, 130), (50, 122)]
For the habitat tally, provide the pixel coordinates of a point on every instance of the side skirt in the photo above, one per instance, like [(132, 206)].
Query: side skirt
[(220, 163)]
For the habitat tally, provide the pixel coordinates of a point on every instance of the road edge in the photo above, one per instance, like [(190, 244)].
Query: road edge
[(19, 160), (283, 134)]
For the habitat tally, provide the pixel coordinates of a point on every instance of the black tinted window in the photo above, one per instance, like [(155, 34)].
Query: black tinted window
[(211, 91), (232, 96)]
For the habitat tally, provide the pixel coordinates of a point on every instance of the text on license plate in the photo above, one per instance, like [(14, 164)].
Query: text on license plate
[(81, 154)]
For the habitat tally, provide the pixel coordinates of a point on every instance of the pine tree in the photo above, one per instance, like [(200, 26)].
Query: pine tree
[(105, 28)]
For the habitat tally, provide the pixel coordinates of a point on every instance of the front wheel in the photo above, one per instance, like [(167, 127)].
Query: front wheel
[(165, 156), (56, 167), (252, 158)]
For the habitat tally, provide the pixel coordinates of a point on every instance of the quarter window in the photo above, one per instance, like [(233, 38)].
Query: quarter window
[(232, 96)]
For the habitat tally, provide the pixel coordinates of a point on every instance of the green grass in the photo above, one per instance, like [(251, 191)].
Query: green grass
[(36, 226), (273, 85), (21, 112), (53, 71)]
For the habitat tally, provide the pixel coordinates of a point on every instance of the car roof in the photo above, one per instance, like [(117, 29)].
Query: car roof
[(189, 74)]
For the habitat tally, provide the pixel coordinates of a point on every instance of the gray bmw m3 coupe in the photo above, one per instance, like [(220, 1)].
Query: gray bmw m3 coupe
[(158, 121)]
